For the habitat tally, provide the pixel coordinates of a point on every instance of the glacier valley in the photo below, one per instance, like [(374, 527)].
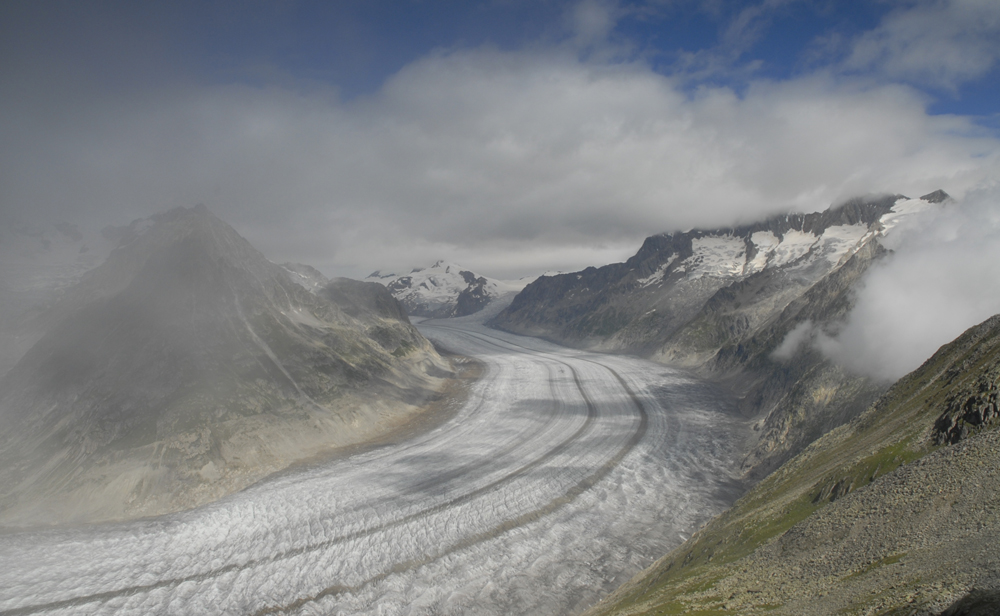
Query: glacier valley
[(565, 473)]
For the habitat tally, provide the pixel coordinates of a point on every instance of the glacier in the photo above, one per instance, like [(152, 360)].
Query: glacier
[(563, 474)]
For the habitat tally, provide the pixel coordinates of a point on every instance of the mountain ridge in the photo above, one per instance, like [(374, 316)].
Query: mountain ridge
[(722, 302), (664, 256)]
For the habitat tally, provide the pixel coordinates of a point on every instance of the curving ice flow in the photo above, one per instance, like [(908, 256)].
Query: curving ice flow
[(564, 473)]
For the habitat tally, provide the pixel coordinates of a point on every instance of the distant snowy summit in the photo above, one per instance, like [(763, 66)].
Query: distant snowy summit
[(444, 290)]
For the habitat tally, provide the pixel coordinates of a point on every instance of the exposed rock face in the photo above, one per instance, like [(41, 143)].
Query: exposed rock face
[(801, 396), (872, 518), (938, 196), (965, 415), (187, 366), (474, 297), (974, 407), (305, 275), (731, 304)]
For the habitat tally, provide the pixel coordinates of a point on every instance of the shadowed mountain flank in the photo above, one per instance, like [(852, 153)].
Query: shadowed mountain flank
[(740, 305)]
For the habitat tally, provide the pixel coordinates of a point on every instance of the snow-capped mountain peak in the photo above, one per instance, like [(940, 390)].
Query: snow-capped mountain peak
[(443, 290)]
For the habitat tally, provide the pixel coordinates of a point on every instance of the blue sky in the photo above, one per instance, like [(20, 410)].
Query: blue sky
[(355, 46), (507, 135)]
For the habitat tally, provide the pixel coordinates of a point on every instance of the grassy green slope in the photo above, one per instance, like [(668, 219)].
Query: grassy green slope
[(702, 575)]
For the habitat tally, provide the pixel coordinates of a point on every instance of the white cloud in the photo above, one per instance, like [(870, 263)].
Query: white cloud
[(802, 334), (749, 25), (940, 280), (942, 43), (477, 152), (591, 21)]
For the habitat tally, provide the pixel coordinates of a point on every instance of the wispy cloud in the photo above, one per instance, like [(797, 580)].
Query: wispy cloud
[(941, 43)]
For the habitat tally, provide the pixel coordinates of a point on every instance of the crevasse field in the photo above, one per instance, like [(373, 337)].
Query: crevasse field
[(565, 473)]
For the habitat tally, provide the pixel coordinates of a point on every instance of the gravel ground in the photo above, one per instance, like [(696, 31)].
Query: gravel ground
[(915, 541)]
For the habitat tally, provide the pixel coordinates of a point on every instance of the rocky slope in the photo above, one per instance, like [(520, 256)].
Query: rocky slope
[(876, 517), (187, 366), (306, 276), (443, 290), (724, 302)]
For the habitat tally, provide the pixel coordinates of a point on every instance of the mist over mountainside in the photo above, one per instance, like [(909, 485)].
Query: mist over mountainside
[(896, 512), (37, 263), (443, 290), (733, 304), (306, 276), (187, 366)]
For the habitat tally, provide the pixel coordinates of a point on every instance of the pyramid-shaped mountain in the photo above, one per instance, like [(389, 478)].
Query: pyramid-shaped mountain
[(187, 366)]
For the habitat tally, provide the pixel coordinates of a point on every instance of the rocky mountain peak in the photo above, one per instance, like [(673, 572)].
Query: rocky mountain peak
[(189, 243), (938, 196)]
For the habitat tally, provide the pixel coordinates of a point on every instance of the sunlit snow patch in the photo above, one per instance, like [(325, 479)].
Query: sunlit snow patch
[(841, 241), (903, 209), (794, 245), (716, 256), (765, 242)]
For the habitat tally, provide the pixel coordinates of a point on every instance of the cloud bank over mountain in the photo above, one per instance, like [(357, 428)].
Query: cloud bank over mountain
[(939, 280), (565, 152)]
